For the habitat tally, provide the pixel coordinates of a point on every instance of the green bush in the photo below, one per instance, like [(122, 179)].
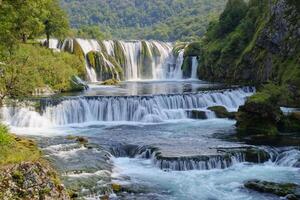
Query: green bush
[(33, 66), (5, 138)]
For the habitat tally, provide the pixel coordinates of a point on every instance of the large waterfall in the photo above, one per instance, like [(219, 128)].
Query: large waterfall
[(126, 60), (157, 108)]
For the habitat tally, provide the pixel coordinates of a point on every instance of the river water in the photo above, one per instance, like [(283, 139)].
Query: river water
[(141, 136)]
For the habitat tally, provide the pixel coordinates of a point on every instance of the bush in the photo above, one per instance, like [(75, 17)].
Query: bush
[(33, 66), (5, 138)]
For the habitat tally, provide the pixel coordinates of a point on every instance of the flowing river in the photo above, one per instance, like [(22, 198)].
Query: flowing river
[(143, 136)]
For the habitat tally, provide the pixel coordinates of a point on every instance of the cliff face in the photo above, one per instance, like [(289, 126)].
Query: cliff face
[(264, 46), (276, 49)]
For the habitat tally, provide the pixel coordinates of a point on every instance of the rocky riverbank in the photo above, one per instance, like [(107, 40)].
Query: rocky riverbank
[(24, 174)]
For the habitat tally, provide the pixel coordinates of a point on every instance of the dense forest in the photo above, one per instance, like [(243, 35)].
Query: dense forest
[(166, 20)]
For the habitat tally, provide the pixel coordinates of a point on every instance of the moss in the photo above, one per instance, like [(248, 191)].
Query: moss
[(119, 54), (187, 67), (146, 61), (193, 49), (16, 149), (290, 123), (178, 47), (116, 187), (110, 82), (221, 112), (280, 189), (18, 177), (78, 51)]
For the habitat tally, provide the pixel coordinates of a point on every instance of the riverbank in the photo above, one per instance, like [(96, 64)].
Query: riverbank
[(24, 173)]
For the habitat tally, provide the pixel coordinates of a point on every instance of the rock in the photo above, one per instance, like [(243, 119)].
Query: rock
[(196, 114), (31, 181), (116, 187), (254, 155), (77, 84), (259, 116), (221, 112), (110, 82), (288, 190), (290, 123), (78, 139)]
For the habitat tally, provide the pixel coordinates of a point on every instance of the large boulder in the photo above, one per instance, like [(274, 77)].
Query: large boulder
[(259, 116)]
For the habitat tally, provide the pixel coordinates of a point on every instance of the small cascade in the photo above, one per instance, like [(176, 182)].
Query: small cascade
[(176, 73), (88, 46), (147, 109), (194, 68), (286, 157)]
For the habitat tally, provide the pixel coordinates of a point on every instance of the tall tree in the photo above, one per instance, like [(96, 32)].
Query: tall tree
[(56, 23)]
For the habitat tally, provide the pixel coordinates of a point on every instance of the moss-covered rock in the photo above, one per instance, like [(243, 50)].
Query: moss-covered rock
[(146, 55), (187, 67), (290, 123), (258, 118), (261, 114), (221, 112), (280, 189), (192, 49), (110, 82)]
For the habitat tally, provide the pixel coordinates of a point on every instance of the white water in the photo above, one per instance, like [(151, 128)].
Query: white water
[(152, 109), (226, 184), (163, 64), (194, 68), (88, 46)]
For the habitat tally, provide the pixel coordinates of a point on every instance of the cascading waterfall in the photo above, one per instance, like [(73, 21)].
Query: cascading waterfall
[(88, 46), (194, 68), (157, 108), (152, 60)]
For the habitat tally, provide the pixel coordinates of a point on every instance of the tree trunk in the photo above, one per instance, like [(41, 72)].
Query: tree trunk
[(48, 40), (24, 38)]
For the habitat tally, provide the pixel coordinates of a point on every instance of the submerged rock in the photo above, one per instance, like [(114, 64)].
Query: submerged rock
[(289, 190)]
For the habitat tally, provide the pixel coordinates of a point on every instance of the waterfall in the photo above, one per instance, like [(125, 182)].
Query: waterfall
[(153, 109), (139, 60), (88, 46), (177, 72), (194, 68)]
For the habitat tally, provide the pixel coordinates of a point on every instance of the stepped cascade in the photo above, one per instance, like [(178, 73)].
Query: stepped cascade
[(153, 109), (126, 60)]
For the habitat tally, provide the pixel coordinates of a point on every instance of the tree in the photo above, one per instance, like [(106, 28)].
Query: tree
[(92, 32), (56, 22), (234, 12)]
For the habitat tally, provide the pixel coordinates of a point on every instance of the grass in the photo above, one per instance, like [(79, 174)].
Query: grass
[(14, 150)]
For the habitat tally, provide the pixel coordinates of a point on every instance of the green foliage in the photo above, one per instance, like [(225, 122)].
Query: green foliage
[(16, 150), (56, 22), (227, 39), (5, 138), (33, 67), (271, 93), (91, 32), (167, 20), (234, 12)]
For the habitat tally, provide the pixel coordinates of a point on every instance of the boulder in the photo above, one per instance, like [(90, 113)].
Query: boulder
[(221, 112), (289, 190)]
